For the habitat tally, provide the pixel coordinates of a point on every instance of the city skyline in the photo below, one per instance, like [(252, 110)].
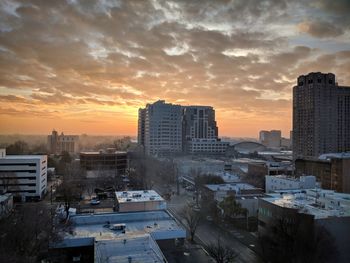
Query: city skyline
[(91, 65)]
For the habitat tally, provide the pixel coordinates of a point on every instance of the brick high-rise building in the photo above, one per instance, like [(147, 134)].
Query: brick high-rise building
[(321, 116)]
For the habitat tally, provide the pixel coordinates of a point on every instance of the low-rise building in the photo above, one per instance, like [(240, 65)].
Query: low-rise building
[(284, 182), (25, 176), (119, 237), (207, 146), (146, 200), (331, 170), (307, 210), (105, 160), (245, 194)]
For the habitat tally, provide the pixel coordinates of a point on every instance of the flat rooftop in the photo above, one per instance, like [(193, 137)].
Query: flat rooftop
[(138, 196), (138, 249), (227, 187), (318, 202), (86, 229), (22, 157), (103, 153)]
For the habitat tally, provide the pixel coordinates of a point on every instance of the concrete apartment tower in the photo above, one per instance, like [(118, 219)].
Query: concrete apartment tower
[(321, 116), (162, 128)]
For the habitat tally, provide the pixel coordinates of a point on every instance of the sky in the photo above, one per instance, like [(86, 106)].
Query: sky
[(87, 66)]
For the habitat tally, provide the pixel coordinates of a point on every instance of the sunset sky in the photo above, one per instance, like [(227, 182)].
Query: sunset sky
[(87, 66)]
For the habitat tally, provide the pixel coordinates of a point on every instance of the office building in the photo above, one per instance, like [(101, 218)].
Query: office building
[(306, 211), (58, 143), (200, 132), (271, 139), (163, 128), (108, 159), (332, 171), (137, 201), (199, 123), (321, 116), (25, 176), (141, 127), (283, 182)]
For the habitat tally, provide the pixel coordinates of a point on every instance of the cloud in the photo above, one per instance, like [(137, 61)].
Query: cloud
[(320, 29), (104, 59)]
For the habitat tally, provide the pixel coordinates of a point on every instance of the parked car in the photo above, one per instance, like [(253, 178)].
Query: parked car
[(94, 202)]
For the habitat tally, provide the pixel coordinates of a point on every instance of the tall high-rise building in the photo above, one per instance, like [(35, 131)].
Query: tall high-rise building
[(163, 128), (321, 116), (166, 128), (199, 123), (141, 127)]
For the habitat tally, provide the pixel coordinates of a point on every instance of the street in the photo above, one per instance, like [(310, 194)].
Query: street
[(208, 232)]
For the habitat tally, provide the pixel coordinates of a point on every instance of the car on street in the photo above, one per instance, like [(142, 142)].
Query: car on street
[(95, 202)]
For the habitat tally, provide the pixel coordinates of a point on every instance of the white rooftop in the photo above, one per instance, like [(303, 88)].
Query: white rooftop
[(229, 177), (327, 156), (22, 157), (228, 187), (138, 196), (318, 202), (138, 249), (88, 228)]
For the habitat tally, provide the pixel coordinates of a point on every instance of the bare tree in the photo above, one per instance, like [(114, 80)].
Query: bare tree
[(26, 234), (221, 253), (191, 218), (297, 239)]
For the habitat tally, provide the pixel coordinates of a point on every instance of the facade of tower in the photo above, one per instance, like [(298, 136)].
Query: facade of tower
[(141, 127), (163, 128), (320, 116), (199, 123)]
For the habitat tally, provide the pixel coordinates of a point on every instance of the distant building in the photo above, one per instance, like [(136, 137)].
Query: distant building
[(62, 143), (162, 128), (308, 209), (332, 171), (105, 160), (199, 123), (271, 139), (321, 116), (6, 204), (286, 143), (283, 182), (208, 146), (141, 127), (138, 201), (262, 168), (245, 194), (25, 176), (200, 132)]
